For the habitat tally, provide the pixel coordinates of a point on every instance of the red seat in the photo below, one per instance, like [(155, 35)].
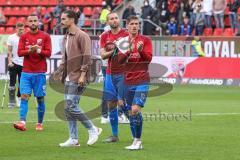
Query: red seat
[(96, 2), (208, 32), (218, 32), (18, 2), (9, 3), (2, 30), (25, 11), (87, 23), (44, 10), (48, 2), (69, 2), (118, 2), (2, 2), (7, 10), (12, 21), (87, 11), (37, 2), (50, 9), (10, 30), (22, 19), (16, 11), (228, 32), (27, 2), (32, 9)]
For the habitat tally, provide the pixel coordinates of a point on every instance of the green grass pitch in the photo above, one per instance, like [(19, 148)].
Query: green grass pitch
[(200, 123)]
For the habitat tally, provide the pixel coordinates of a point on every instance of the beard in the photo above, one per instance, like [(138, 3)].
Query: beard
[(63, 26), (33, 28), (114, 26)]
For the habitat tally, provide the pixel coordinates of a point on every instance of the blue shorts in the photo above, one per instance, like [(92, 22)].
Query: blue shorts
[(114, 87), (35, 82), (136, 94)]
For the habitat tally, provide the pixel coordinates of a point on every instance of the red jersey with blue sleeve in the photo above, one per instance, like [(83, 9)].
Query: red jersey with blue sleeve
[(35, 62), (138, 60), (114, 67)]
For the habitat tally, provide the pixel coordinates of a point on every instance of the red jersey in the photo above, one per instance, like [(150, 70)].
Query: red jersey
[(136, 71), (107, 37), (35, 62)]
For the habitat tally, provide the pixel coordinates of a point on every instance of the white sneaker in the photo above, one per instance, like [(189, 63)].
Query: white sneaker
[(123, 119), (136, 145), (18, 101), (70, 143), (11, 105), (105, 120), (93, 135)]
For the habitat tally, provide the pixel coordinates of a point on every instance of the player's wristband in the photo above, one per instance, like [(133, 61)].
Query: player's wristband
[(115, 52), (39, 50)]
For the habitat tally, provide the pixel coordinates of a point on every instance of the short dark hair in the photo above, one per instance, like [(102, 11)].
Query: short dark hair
[(71, 14), (32, 15), (19, 24), (132, 17)]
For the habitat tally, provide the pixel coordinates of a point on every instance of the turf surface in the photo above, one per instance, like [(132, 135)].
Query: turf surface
[(188, 123)]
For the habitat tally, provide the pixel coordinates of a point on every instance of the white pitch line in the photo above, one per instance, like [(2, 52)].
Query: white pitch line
[(31, 112), (48, 120), (215, 114), (148, 114), (152, 113), (193, 114)]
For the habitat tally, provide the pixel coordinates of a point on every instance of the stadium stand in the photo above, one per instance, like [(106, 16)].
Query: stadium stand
[(17, 10), (208, 32), (218, 32)]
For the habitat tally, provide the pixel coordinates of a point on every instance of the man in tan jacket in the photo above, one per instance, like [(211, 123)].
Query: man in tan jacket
[(76, 62)]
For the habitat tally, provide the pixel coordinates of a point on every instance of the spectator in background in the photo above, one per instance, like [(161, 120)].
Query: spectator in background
[(238, 23), (40, 18), (81, 17), (163, 13), (2, 18), (185, 28), (199, 22), (173, 6), (196, 6), (197, 50), (187, 9), (191, 12), (95, 15), (172, 27), (109, 3), (49, 22), (207, 10), (103, 16), (147, 12), (233, 7), (152, 3), (57, 11), (129, 11), (116, 3), (219, 7), (181, 14)]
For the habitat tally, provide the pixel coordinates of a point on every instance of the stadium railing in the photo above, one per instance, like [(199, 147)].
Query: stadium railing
[(91, 25)]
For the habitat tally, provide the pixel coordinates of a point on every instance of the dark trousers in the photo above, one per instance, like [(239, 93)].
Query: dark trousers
[(15, 72), (199, 30)]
